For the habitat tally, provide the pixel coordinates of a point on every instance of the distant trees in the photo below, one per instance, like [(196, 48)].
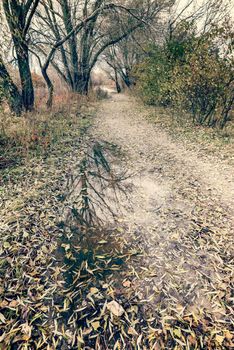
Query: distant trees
[(90, 27), (69, 35), (175, 47), (121, 59)]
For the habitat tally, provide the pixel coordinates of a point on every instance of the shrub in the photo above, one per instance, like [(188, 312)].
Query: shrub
[(204, 83), (101, 94), (193, 73), (153, 74)]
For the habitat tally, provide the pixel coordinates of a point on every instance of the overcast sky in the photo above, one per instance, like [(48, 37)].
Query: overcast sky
[(197, 3)]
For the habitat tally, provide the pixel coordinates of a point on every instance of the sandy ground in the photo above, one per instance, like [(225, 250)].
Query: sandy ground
[(180, 212)]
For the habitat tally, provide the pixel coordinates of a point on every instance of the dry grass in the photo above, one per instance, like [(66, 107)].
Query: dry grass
[(63, 99), (212, 140), (35, 133)]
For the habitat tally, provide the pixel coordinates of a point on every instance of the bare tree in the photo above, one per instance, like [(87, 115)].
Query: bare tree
[(124, 56), (19, 15), (58, 44), (204, 13), (70, 35), (79, 32)]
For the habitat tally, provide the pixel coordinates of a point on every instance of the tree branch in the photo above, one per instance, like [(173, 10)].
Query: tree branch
[(32, 12)]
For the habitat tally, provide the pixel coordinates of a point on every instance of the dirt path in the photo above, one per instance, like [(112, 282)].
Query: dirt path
[(181, 214)]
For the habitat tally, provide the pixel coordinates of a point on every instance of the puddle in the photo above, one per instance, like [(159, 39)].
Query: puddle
[(94, 265)]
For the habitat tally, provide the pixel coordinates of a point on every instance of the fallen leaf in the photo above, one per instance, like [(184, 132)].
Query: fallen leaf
[(2, 337), (177, 332), (132, 331), (95, 325), (2, 318), (14, 303), (127, 284), (228, 335), (219, 339)]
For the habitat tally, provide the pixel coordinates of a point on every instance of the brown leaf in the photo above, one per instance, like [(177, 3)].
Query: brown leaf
[(127, 284)]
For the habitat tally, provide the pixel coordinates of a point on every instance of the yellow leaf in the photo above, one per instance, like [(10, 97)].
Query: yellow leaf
[(94, 291), (25, 337), (14, 303), (102, 242), (177, 332), (228, 335), (132, 331), (95, 325), (80, 340), (219, 339)]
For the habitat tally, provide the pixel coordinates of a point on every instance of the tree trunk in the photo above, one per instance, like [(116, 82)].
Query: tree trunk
[(19, 15), (226, 111), (126, 78), (82, 86), (72, 42), (50, 87), (25, 75), (9, 90), (118, 87), (127, 81)]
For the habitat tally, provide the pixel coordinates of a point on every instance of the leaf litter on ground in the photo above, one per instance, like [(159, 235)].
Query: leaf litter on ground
[(66, 287)]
